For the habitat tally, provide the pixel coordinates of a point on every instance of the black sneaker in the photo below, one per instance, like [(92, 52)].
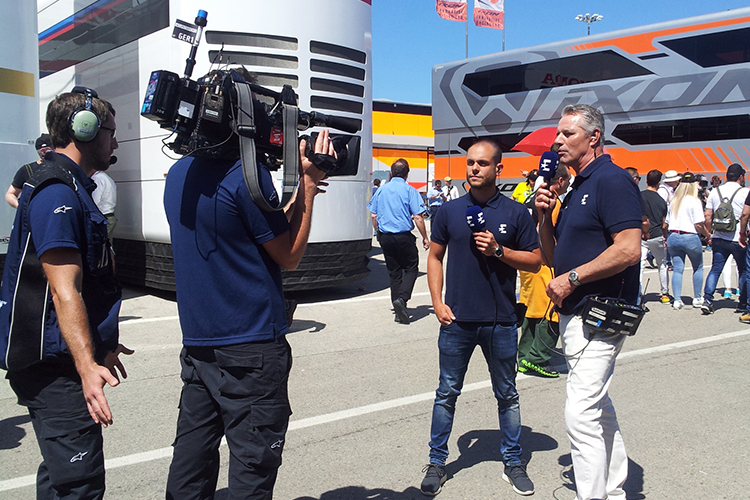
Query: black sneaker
[(544, 371), (707, 307), (517, 477), (400, 307), (433, 479)]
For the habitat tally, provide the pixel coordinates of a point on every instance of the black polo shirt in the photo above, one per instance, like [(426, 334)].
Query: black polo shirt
[(477, 286), (604, 200)]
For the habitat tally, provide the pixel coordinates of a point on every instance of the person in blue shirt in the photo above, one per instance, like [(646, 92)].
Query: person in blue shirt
[(435, 198), (59, 278), (595, 249), (228, 256), (479, 307), (396, 208)]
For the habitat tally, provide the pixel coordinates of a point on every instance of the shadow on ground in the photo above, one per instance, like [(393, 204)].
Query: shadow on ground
[(11, 432), (353, 493), (479, 446), (633, 485)]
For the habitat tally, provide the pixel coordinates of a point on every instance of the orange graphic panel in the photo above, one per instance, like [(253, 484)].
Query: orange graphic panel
[(638, 44)]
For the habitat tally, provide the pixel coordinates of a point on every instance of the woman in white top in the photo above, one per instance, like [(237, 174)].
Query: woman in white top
[(685, 220)]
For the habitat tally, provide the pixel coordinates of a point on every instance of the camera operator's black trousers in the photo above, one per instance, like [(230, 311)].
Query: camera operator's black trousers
[(237, 391), (402, 261)]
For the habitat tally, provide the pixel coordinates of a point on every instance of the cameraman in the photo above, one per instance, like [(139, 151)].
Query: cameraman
[(228, 256)]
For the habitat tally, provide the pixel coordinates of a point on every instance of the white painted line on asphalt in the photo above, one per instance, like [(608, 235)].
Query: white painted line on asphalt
[(375, 407), (681, 345), (148, 320), (359, 299), (138, 458), (306, 304)]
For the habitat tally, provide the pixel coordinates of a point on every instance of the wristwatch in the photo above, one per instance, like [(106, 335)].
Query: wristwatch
[(573, 278), (498, 251)]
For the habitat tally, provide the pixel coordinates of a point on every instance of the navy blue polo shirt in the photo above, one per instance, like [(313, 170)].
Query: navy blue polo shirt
[(59, 218), (477, 287), (228, 287), (604, 200)]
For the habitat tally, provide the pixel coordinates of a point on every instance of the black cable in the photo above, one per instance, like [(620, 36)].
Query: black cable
[(549, 303)]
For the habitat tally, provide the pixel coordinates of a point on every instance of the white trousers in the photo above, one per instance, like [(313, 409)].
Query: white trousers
[(600, 463)]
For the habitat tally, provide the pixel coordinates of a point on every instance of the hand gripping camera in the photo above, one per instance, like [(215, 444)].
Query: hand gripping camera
[(223, 115)]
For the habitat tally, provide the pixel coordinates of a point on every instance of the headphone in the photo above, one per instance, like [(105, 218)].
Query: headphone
[(84, 124)]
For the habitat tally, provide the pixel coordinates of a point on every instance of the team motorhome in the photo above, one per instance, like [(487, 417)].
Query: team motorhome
[(19, 100), (403, 130), (675, 95), (322, 48)]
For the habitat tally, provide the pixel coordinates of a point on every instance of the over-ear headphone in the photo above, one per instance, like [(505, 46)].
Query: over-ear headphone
[(84, 123)]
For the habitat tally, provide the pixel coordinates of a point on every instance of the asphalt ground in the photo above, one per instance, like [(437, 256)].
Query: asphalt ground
[(362, 388)]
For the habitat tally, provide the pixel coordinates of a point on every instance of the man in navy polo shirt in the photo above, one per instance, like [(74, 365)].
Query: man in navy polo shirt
[(595, 248), (228, 256), (396, 208), (479, 307), (59, 278)]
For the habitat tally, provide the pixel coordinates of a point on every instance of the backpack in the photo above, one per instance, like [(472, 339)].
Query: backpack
[(723, 219)]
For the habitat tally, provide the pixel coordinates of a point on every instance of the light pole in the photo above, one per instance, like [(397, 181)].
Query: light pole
[(588, 19)]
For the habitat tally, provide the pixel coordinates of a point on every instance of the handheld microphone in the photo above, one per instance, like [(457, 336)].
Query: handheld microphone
[(112, 160), (475, 219), (548, 166)]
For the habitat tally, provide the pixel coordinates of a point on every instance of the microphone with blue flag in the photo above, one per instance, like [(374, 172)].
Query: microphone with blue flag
[(475, 219), (548, 166)]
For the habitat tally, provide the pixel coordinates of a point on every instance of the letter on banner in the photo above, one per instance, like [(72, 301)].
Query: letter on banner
[(452, 11), (489, 13)]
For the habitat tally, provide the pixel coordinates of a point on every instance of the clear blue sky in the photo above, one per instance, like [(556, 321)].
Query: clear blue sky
[(409, 38)]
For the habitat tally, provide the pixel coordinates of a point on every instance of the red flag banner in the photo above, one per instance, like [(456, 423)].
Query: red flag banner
[(489, 13), (452, 11)]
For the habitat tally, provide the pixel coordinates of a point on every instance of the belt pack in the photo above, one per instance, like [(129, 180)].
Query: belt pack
[(611, 316)]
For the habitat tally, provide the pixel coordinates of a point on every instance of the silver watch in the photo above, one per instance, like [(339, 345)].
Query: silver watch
[(573, 278), (498, 251)]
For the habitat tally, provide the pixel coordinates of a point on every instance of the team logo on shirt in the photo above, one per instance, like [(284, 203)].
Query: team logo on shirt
[(583, 200), (62, 209), (502, 228)]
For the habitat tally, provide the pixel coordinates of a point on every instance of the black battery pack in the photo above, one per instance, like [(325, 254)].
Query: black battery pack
[(611, 316)]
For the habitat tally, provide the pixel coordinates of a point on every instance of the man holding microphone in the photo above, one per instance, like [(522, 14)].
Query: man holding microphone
[(595, 249), (479, 305)]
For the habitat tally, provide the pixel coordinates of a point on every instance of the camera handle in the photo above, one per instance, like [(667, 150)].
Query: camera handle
[(250, 167)]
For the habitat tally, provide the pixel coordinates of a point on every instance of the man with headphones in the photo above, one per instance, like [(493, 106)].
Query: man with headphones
[(59, 279)]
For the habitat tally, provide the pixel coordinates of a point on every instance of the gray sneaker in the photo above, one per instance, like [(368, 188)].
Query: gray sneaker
[(433, 479), (517, 477), (400, 307)]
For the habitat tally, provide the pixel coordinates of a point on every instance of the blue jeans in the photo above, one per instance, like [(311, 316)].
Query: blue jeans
[(722, 249), (680, 246), (456, 344)]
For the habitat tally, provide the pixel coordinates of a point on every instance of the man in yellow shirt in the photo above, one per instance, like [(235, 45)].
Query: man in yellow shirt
[(524, 189)]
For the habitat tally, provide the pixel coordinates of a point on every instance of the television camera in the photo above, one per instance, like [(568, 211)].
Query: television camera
[(225, 115)]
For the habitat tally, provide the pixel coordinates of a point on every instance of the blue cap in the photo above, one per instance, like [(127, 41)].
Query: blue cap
[(203, 14)]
